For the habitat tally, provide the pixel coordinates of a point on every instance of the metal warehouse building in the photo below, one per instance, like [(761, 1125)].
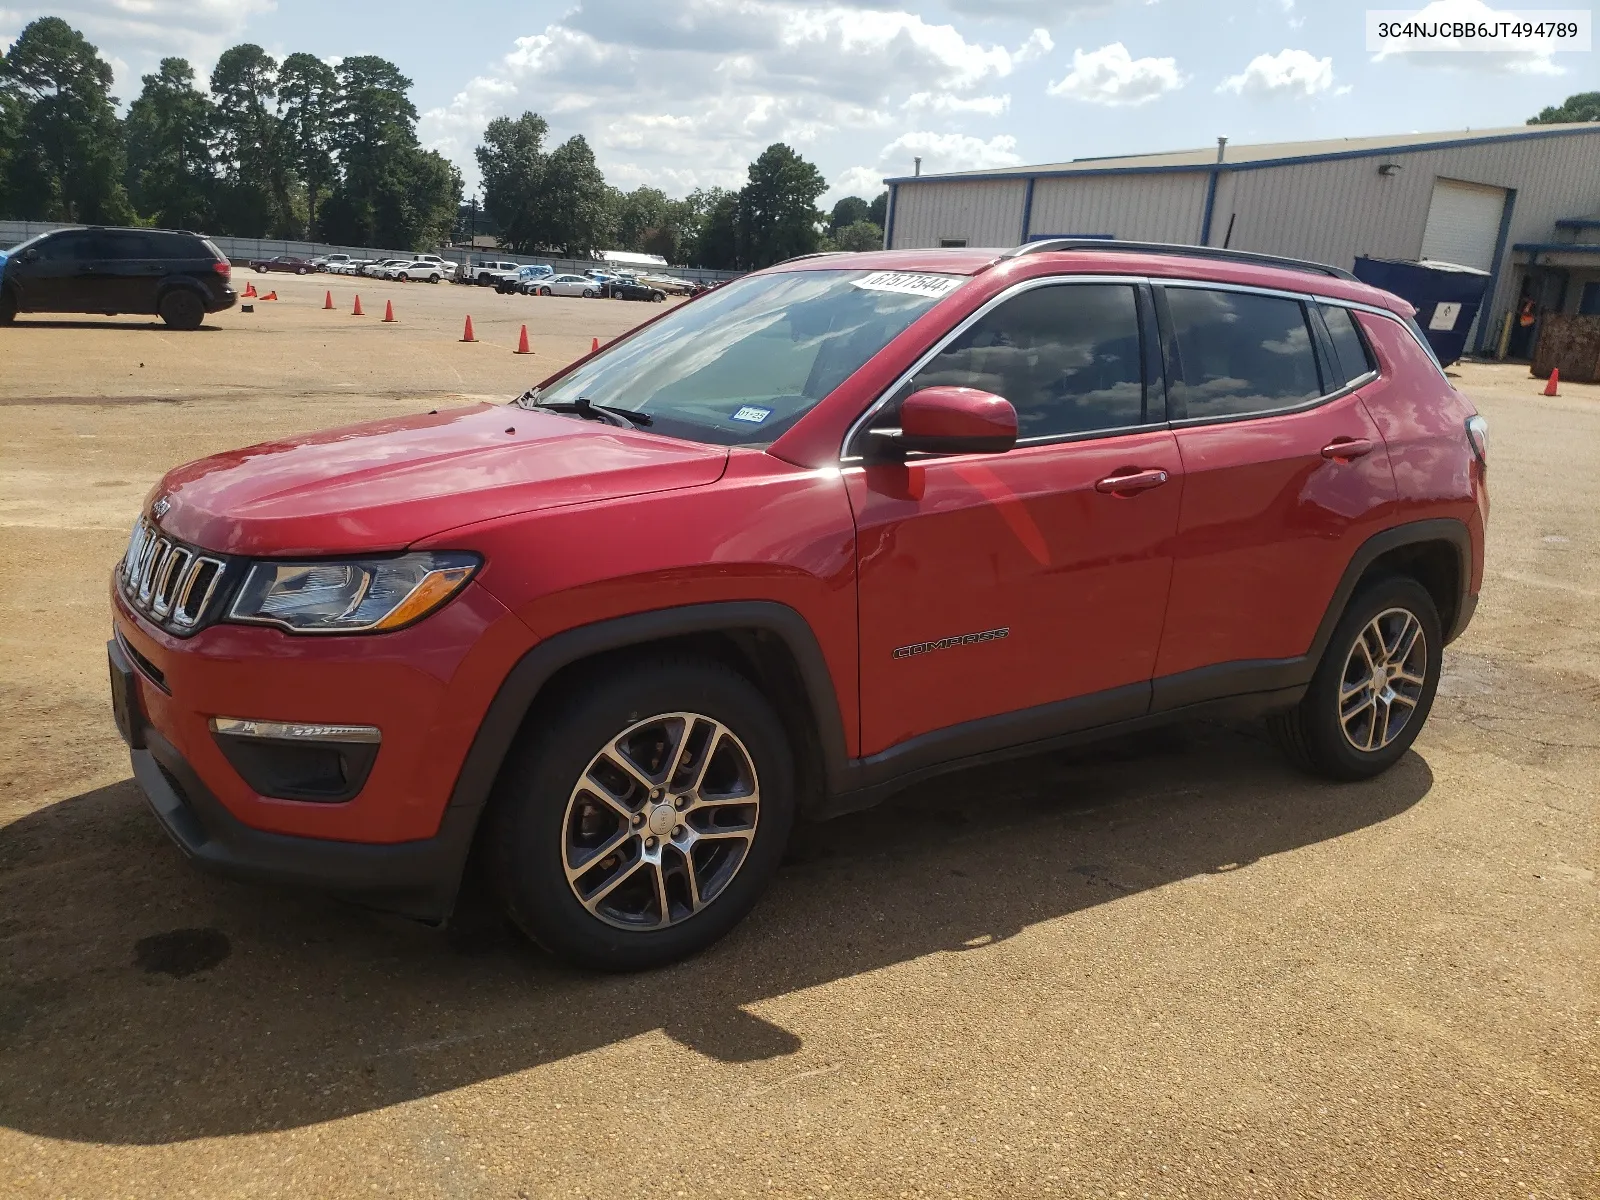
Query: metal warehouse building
[(1521, 203)]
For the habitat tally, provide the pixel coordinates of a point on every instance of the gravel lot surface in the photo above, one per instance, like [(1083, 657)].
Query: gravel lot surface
[(1162, 967)]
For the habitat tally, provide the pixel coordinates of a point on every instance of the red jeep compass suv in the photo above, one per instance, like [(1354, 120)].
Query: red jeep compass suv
[(829, 529)]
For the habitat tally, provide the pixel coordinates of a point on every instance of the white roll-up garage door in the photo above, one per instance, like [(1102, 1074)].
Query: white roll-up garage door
[(1463, 223)]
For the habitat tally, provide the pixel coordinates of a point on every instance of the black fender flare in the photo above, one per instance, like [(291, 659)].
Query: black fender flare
[(534, 669)]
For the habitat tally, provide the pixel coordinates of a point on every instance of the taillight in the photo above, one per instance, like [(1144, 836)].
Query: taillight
[(222, 267), (1478, 436)]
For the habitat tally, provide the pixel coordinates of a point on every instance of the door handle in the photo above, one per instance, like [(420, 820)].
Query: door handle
[(1134, 481), (1345, 449)]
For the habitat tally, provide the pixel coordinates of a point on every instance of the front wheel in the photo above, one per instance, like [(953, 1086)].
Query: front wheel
[(588, 293), (433, 279), (1374, 687), (640, 820), (299, 270), (8, 306), (544, 291), (182, 309)]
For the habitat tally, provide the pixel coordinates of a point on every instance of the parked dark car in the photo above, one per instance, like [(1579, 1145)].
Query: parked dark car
[(180, 276), (632, 289), (284, 262)]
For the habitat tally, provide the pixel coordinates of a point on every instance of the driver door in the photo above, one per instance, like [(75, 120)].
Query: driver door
[(1024, 590)]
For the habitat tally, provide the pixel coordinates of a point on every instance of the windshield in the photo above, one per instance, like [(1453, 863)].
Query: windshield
[(742, 364)]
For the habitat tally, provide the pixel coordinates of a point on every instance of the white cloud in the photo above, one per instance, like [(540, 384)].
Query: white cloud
[(134, 35), (944, 104), (685, 94), (865, 182), (1516, 62), (1110, 75), (948, 152), (1287, 73)]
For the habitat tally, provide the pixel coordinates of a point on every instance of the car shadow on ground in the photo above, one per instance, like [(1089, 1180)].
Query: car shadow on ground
[(24, 321), (143, 1002)]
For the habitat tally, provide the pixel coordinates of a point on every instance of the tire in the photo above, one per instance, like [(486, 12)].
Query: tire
[(434, 278), (1378, 727), (182, 309), (546, 804), (544, 291), (8, 306), (299, 270), (588, 293)]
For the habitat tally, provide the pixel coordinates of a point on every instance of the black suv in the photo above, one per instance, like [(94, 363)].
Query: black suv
[(181, 276)]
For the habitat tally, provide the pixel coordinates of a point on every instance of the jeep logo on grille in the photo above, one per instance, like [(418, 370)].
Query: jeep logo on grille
[(160, 508), (961, 639)]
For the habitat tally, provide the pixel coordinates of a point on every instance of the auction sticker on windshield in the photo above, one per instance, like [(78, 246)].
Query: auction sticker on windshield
[(752, 414), (909, 283)]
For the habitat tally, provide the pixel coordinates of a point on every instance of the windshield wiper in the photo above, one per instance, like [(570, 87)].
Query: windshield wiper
[(591, 411)]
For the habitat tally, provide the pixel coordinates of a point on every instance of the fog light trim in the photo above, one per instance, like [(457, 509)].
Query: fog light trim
[(290, 731)]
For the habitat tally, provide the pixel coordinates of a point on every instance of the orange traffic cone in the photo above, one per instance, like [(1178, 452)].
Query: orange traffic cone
[(272, 295), (356, 311), (327, 300), (522, 342), (594, 345), (388, 312), (466, 334), (249, 290), (1555, 378)]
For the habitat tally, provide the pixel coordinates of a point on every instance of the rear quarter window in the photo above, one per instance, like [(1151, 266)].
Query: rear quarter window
[(1349, 347)]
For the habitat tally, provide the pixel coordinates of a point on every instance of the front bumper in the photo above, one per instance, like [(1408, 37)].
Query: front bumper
[(416, 878)]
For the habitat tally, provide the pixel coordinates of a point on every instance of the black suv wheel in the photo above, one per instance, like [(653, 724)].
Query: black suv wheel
[(182, 309), (1374, 686), (644, 817), (8, 306)]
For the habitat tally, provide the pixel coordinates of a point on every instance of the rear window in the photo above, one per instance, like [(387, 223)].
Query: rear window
[(1239, 353), (1349, 347)]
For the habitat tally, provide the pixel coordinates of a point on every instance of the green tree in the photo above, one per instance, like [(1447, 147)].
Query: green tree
[(718, 238), (1582, 106), (169, 132), (847, 212), (308, 90), (65, 160), (575, 218), (512, 161), (878, 212), (859, 235), (257, 172), (645, 213), (778, 214), (394, 193)]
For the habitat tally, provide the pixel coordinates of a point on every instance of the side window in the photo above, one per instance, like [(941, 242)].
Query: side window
[(72, 246), (1067, 357), (1238, 352), (1355, 360), (120, 245)]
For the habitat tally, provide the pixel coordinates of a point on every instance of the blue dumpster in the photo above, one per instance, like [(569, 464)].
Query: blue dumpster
[(1446, 296)]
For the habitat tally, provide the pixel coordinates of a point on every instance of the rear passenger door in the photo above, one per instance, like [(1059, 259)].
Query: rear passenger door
[(130, 269), (999, 584), (1285, 474)]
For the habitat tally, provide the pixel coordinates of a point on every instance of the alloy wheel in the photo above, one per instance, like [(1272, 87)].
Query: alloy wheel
[(660, 821), (1383, 681)]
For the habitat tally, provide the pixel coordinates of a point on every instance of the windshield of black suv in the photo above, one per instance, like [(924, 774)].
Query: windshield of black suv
[(742, 364)]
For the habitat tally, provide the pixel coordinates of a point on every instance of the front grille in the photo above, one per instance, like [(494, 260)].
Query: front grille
[(169, 582)]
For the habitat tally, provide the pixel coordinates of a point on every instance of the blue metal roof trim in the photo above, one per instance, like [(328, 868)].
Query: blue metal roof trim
[(1256, 165), (1563, 247), (1578, 223)]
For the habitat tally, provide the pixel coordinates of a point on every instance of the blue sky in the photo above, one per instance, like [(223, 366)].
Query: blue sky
[(683, 93)]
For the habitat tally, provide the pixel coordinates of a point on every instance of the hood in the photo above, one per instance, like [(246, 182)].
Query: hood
[(383, 485)]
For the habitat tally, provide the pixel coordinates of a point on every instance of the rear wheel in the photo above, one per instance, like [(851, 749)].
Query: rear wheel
[(1374, 686), (642, 819), (182, 309)]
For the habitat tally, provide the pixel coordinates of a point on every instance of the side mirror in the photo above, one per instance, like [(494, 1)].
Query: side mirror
[(30, 255), (952, 420)]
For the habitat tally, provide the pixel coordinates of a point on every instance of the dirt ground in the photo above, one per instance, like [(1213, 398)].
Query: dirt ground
[(1164, 967)]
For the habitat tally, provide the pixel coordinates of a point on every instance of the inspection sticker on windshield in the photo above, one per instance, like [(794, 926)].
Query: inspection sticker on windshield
[(752, 414), (909, 283)]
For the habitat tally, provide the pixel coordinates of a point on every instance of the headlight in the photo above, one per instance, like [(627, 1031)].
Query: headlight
[(360, 596)]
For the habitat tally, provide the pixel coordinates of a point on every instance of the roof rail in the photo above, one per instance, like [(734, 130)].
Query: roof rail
[(1045, 245)]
